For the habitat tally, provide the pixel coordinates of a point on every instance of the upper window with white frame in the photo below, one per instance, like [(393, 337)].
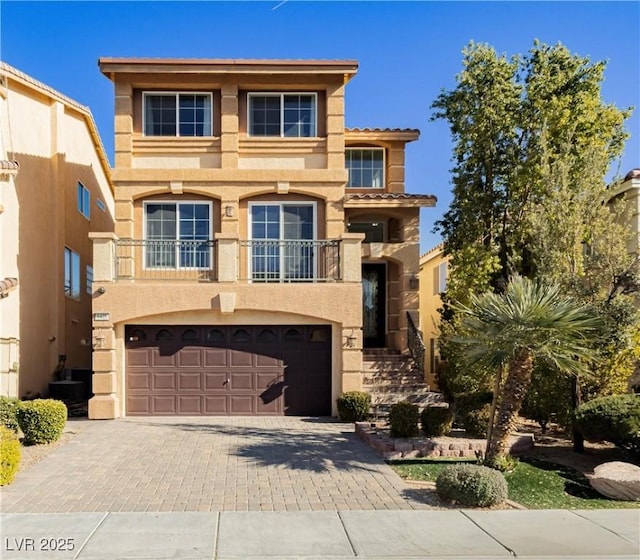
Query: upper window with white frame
[(366, 168), (84, 201), (440, 274), (177, 114), (178, 235), (283, 114)]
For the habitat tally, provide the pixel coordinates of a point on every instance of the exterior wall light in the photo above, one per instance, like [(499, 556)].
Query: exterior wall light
[(350, 340), (228, 211), (414, 282)]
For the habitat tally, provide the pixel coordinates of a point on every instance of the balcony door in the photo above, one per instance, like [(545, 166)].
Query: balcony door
[(178, 235), (282, 241), (374, 304)]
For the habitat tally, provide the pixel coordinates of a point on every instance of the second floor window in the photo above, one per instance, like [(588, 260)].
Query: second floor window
[(84, 201), (177, 114), (366, 167), (178, 235), (440, 278), (282, 114)]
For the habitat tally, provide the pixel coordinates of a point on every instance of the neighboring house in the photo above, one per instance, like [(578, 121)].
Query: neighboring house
[(433, 281), (630, 189), (258, 245), (54, 189)]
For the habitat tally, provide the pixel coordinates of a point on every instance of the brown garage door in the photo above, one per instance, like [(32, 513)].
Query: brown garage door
[(228, 370)]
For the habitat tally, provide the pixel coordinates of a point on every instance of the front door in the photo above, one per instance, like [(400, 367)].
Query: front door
[(374, 304)]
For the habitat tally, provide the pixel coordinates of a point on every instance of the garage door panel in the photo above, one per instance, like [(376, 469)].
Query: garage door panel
[(242, 404), (189, 381), (228, 370), (240, 359), (162, 359), (215, 357), (164, 381), (215, 381), (243, 381), (189, 405), (190, 357), (139, 357), (161, 404), (139, 380), (215, 405), (139, 404)]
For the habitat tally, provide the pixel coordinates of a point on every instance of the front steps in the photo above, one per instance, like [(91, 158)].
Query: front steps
[(391, 377)]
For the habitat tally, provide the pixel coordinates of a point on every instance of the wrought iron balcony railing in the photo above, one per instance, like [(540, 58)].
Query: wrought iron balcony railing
[(170, 259), (266, 260)]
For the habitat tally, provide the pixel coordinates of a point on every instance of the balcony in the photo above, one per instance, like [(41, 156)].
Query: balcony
[(290, 261), (227, 259), (173, 259)]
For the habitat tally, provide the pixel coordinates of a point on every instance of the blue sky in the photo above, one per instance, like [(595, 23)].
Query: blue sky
[(407, 52)]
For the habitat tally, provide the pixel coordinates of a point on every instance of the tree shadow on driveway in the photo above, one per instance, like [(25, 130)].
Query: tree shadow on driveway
[(322, 449)]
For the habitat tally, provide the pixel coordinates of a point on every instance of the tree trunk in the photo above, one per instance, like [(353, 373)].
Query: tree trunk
[(492, 413), (576, 400), (515, 389)]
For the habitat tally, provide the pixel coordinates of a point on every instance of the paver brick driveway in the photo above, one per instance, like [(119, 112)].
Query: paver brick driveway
[(209, 464)]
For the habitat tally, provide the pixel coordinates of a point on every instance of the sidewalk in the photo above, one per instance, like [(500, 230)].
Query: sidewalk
[(549, 534)]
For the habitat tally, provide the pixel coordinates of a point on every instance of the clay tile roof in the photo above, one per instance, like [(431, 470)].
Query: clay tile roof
[(6, 165), (7, 284), (633, 174), (390, 196), (404, 130)]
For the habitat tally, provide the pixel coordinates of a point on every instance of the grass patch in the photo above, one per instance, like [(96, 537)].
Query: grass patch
[(534, 484)]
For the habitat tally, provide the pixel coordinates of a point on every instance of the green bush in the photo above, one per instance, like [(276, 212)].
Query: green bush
[(8, 408), (436, 420), (615, 419), (42, 420), (9, 455), (472, 485), (476, 421), (548, 398), (403, 419), (353, 406)]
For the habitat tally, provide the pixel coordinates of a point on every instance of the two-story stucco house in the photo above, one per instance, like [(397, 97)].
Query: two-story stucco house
[(258, 245), (54, 189)]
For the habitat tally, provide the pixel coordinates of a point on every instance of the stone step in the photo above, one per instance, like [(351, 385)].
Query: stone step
[(381, 380)]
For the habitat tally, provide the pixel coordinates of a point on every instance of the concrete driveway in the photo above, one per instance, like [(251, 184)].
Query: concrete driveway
[(210, 464)]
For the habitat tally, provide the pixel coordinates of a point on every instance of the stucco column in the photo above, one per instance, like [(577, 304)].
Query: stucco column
[(227, 250), (350, 257), (104, 250), (105, 403)]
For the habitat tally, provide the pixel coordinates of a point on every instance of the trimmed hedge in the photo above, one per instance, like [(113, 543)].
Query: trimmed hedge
[(472, 485), (403, 419), (8, 409), (42, 420), (9, 455), (476, 421), (615, 419), (353, 406), (436, 420)]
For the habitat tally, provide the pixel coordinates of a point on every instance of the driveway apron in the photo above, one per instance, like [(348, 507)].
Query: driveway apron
[(209, 464)]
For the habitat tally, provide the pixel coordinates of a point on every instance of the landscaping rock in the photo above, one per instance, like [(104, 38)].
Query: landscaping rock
[(617, 480)]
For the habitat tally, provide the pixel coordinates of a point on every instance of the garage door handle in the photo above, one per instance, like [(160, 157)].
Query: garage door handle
[(226, 381)]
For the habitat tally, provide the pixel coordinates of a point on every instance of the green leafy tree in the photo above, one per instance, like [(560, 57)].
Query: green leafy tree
[(533, 143), (530, 321)]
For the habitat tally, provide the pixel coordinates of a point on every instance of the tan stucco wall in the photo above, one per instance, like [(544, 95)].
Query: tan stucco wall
[(429, 305), (338, 305), (52, 142)]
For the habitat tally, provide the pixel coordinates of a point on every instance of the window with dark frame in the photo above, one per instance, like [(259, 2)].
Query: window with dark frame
[(71, 273), (282, 114), (177, 114), (84, 201)]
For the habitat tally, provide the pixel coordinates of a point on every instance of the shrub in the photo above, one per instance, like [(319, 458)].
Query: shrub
[(475, 421), (472, 485), (403, 419), (615, 419), (436, 420), (42, 420), (9, 455), (8, 408), (353, 406)]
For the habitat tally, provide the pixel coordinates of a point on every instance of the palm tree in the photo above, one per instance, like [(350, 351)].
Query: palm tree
[(529, 321)]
